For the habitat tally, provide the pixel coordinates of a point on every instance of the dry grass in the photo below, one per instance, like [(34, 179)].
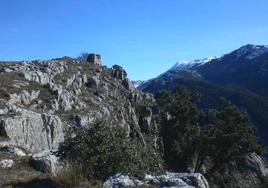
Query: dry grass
[(21, 172), (73, 176)]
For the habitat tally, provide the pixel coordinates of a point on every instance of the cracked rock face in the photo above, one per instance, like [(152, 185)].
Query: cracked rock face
[(42, 72), (254, 164), (23, 98), (40, 100), (33, 131)]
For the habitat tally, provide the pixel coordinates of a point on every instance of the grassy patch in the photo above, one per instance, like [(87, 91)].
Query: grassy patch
[(21, 172)]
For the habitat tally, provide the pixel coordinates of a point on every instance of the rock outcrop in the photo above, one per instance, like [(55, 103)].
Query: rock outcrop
[(32, 131), (46, 162), (253, 163), (6, 163), (175, 180), (40, 100)]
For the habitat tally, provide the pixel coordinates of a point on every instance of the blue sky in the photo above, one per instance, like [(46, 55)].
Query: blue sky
[(146, 37)]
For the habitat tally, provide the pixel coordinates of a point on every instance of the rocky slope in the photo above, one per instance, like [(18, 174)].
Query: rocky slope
[(40, 100)]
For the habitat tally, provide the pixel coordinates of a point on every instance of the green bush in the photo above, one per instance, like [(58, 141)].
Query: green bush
[(191, 136), (179, 127), (104, 150)]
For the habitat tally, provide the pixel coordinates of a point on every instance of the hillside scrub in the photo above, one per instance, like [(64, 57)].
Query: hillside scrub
[(102, 150), (192, 136)]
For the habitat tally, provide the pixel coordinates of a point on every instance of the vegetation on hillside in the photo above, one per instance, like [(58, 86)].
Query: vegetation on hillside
[(251, 103), (191, 136), (101, 150)]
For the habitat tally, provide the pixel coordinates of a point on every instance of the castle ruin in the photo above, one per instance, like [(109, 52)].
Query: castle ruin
[(94, 58)]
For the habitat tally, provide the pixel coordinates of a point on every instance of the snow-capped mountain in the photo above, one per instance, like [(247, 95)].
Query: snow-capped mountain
[(137, 83), (234, 67), (185, 65), (251, 51), (240, 76), (247, 66)]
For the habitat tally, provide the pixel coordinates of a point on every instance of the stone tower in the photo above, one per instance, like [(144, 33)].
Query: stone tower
[(94, 58)]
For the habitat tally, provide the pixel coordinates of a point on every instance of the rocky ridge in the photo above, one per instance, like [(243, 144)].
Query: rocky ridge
[(40, 100)]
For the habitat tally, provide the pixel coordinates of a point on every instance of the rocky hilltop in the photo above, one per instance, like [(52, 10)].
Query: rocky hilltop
[(40, 100)]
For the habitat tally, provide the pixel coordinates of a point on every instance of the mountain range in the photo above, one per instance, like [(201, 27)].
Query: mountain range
[(241, 76)]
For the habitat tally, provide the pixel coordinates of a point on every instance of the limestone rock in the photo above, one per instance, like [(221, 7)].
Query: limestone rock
[(41, 72), (89, 118), (6, 163), (118, 72), (77, 80), (174, 180), (120, 181), (66, 100), (33, 131), (55, 105), (14, 150), (46, 162), (24, 97), (3, 111), (179, 180), (255, 164), (146, 119), (93, 83)]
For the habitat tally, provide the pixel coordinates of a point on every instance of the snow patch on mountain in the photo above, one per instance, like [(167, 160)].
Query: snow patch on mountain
[(251, 51), (137, 83), (185, 65)]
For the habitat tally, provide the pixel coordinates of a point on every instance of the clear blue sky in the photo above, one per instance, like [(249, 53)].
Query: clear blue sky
[(146, 37)]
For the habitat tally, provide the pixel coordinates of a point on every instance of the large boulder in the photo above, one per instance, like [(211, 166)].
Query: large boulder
[(46, 162), (255, 165), (174, 180), (32, 131), (118, 72), (6, 163), (120, 181), (178, 180)]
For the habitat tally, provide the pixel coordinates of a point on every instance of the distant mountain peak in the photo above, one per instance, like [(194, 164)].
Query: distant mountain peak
[(137, 83), (251, 51)]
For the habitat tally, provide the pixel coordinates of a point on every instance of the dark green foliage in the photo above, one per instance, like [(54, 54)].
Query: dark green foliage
[(264, 182), (255, 105), (191, 136), (229, 137), (104, 150), (179, 119)]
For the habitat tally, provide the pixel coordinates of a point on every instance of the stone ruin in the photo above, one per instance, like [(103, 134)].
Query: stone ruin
[(94, 58)]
